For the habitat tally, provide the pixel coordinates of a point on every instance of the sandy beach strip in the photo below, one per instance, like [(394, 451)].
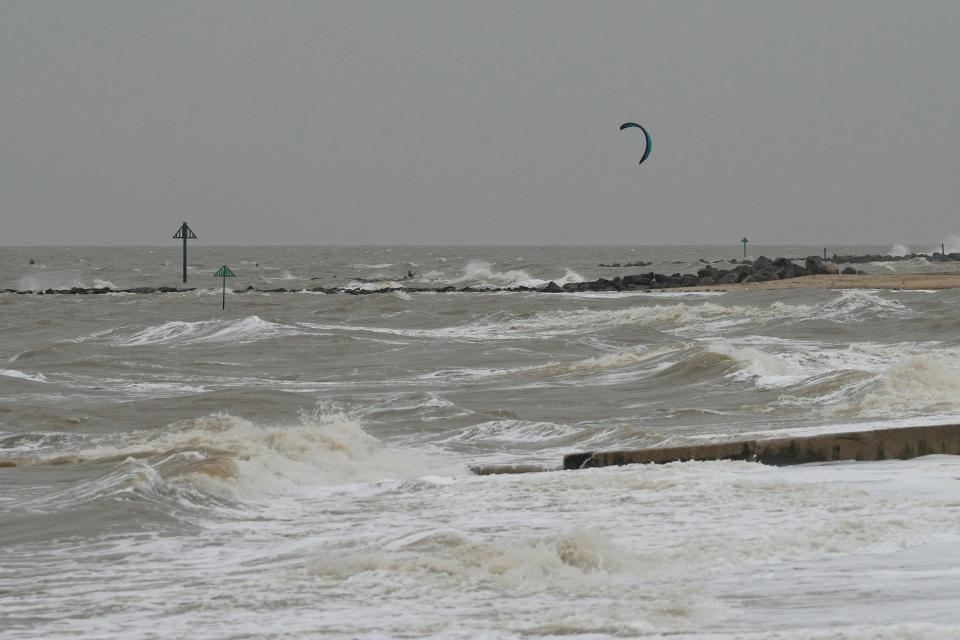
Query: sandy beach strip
[(849, 281)]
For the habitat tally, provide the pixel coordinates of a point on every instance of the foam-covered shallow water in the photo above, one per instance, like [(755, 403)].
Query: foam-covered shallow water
[(298, 465)]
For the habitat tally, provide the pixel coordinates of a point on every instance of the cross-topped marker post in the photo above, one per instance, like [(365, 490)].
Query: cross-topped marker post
[(186, 233), (744, 241), (225, 273)]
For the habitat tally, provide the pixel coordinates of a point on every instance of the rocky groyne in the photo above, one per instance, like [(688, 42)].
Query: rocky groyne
[(875, 257), (760, 270)]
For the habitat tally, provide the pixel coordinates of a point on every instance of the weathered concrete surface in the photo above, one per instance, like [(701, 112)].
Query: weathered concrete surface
[(882, 444)]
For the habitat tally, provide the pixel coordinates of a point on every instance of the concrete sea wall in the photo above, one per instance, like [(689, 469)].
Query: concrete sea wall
[(882, 444)]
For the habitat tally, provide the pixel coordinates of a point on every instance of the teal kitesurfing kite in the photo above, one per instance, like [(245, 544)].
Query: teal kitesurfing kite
[(646, 153)]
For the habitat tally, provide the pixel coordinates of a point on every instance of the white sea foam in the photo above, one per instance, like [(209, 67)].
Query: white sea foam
[(857, 305), (899, 250), (479, 273), (514, 431), (829, 373), (766, 369), (13, 373), (48, 281), (178, 332), (324, 448), (916, 386), (374, 286), (680, 319), (283, 275), (233, 458), (616, 360)]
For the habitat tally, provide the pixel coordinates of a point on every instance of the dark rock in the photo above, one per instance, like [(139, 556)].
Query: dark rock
[(708, 272), (813, 265), (849, 271), (552, 287), (763, 263), (637, 280)]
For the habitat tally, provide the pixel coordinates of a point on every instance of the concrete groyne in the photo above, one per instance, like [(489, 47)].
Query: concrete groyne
[(900, 443), (897, 443)]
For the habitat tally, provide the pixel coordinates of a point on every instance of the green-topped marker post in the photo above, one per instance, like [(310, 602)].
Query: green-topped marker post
[(744, 241), (224, 272)]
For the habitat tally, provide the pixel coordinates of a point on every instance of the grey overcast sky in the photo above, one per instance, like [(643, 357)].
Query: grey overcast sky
[(480, 122)]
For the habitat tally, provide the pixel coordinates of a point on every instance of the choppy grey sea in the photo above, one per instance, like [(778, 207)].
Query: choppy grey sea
[(297, 465)]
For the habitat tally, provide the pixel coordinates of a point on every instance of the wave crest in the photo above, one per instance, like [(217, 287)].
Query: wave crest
[(249, 329)]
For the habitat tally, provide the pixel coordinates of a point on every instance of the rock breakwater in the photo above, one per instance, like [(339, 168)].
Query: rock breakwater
[(762, 269)]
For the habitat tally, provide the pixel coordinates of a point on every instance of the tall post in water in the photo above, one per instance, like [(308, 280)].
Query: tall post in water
[(224, 272), (744, 241), (824, 254), (185, 232)]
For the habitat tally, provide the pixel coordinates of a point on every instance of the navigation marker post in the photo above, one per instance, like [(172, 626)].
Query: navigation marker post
[(224, 272), (186, 233), (744, 241)]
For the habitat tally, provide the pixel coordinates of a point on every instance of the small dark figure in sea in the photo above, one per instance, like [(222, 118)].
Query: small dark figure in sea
[(32, 261)]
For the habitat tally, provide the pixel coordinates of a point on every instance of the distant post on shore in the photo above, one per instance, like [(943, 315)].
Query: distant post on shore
[(224, 272), (186, 233), (824, 254), (744, 241)]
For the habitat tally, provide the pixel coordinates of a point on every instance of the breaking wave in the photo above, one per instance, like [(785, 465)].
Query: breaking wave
[(233, 458), (244, 330), (579, 559), (914, 387), (283, 275), (619, 359), (13, 373), (479, 273), (858, 305)]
